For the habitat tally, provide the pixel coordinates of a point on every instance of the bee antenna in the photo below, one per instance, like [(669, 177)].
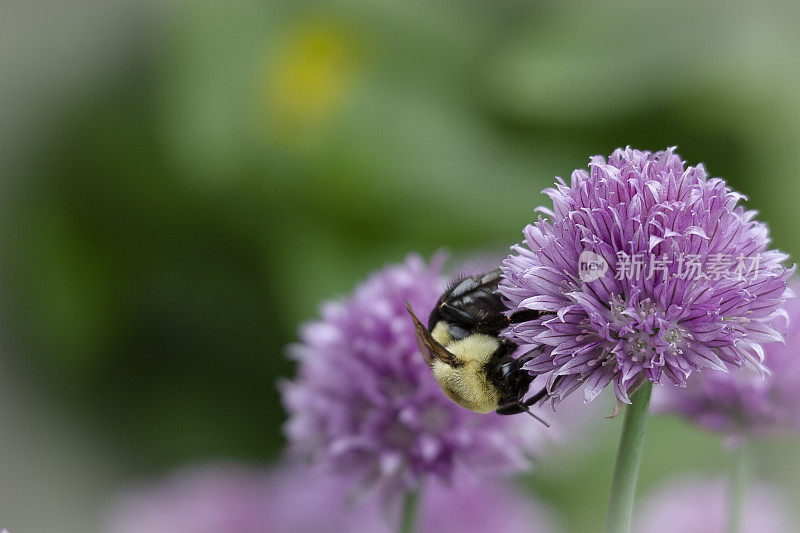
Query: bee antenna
[(542, 421)]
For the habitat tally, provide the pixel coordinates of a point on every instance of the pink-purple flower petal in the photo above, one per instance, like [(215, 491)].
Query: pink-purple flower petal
[(660, 272)]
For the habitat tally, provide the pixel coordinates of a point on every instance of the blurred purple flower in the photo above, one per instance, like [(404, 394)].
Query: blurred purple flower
[(701, 506), (364, 402), (218, 499), (631, 260), (743, 403), (224, 499)]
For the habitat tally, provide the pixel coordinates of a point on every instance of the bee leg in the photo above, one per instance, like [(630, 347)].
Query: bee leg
[(511, 409), (536, 398), (529, 353), (526, 315), (492, 324), (516, 408)]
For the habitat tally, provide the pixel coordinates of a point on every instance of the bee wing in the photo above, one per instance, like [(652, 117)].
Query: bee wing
[(427, 345)]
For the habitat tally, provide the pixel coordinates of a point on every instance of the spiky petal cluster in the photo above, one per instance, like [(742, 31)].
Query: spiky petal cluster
[(701, 506), (229, 499), (651, 220), (365, 402), (741, 404)]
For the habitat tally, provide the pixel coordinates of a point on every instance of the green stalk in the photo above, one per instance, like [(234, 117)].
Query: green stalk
[(623, 487), (739, 478), (408, 522)]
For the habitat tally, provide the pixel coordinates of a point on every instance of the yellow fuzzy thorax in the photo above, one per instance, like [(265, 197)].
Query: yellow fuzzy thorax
[(465, 382)]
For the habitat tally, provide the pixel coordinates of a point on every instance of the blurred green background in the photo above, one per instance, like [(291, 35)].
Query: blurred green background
[(184, 182)]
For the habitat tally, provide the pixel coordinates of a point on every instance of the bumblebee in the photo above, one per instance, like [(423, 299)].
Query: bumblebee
[(466, 354)]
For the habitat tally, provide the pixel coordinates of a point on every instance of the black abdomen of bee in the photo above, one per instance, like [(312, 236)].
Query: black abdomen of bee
[(472, 305)]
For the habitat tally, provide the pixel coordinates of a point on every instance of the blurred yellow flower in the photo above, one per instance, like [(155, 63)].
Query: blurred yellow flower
[(307, 79)]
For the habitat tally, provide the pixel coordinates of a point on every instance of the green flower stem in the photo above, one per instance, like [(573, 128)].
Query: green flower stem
[(408, 522), (739, 479), (623, 487)]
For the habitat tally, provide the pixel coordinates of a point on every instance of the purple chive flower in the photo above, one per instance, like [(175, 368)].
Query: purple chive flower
[(364, 401), (701, 506), (652, 269), (744, 403), (226, 499)]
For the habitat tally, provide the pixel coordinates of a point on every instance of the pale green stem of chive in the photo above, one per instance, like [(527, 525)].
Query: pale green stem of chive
[(626, 469), (408, 521), (739, 478)]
